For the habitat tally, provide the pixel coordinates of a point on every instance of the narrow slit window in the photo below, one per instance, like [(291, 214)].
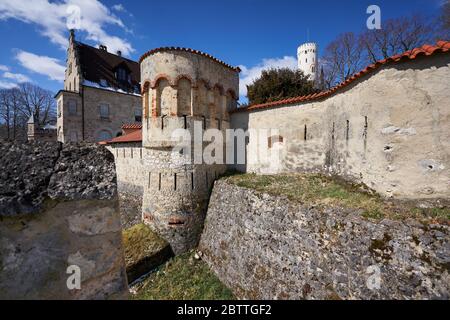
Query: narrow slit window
[(347, 131), (159, 183), (175, 181)]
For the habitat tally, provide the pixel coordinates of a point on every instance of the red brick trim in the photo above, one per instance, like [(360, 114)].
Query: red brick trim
[(159, 77)]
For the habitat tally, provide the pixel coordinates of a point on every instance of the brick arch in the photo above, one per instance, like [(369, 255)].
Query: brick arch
[(187, 77), (159, 77), (232, 93), (145, 99), (220, 87), (145, 86), (205, 82)]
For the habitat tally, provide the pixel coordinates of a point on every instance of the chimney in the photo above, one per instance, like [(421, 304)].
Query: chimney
[(72, 36), (119, 53)]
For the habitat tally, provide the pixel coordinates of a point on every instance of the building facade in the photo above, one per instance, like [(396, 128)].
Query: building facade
[(101, 93)]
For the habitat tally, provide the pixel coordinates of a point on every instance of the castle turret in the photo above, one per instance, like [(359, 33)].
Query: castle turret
[(307, 55), (185, 90)]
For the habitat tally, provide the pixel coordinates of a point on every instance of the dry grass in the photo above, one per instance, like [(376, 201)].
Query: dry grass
[(320, 190)]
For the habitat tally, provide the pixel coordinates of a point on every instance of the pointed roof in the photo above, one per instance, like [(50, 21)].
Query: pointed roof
[(31, 120)]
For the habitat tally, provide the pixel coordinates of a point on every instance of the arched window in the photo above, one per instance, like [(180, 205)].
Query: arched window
[(163, 97), (184, 97), (202, 99), (218, 103), (73, 136)]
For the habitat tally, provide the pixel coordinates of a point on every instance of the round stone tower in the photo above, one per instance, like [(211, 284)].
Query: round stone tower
[(307, 59), (184, 91)]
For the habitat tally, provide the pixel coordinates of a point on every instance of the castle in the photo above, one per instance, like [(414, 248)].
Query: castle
[(386, 127), (101, 93)]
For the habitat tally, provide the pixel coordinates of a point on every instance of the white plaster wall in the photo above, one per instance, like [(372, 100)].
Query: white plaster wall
[(404, 152)]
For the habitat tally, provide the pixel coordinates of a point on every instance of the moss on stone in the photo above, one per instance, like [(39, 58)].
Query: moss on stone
[(140, 242), (144, 251), (183, 278)]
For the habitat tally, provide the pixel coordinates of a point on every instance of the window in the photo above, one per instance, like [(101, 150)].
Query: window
[(104, 135), (138, 115), (104, 111), (73, 136), (72, 108), (59, 108), (121, 74), (70, 68), (271, 141)]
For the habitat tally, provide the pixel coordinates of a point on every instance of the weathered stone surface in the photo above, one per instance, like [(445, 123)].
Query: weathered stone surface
[(34, 170), (266, 247), (26, 169), (36, 250), (74, 191), (83, 171)]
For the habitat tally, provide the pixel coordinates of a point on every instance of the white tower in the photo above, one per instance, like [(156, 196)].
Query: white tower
[(307, 60)]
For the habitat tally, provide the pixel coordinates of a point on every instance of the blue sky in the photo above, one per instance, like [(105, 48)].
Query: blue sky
[(254, 34)]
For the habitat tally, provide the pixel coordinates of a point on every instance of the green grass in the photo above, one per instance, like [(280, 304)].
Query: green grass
[(320, 190), (183, 278)]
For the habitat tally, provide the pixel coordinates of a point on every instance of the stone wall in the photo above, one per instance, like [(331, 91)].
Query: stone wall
[(389, 130), (131, 177), (59, 208), (266, 247)]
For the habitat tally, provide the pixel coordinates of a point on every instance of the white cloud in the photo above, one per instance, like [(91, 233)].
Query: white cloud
[(7, 85), (18, 77), (119, 7), (54, 18), (248, 75), (3, 68), (44, 65)]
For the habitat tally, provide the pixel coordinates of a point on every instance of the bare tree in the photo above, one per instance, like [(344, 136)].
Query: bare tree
[(343, 57), (396, 36), (5, 111), (17, 105), (443, 22), (38, 102)]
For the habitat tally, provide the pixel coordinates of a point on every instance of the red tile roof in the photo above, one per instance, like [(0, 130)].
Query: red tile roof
[(132, 126), (426, 50), (135, 136), (149, 53)]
